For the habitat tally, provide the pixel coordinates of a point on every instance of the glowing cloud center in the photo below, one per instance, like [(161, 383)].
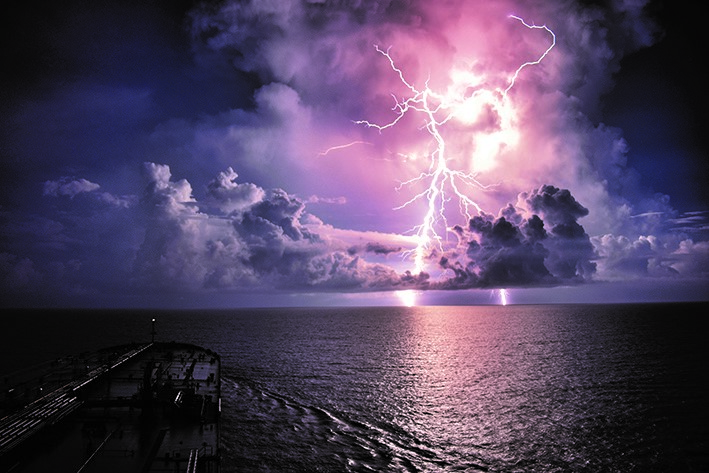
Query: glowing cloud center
[(438, 109)]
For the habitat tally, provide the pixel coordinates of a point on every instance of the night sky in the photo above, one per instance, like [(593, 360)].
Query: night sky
[(226, 154)]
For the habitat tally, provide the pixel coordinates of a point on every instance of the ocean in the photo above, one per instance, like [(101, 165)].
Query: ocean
[(538, 388)]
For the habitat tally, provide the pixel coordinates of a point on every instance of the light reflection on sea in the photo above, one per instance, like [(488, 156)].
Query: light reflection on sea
[(516, 388)]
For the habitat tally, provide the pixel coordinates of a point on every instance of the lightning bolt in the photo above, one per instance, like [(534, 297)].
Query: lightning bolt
[(437, 110), (531, 63), (339, 147), (503, 296)]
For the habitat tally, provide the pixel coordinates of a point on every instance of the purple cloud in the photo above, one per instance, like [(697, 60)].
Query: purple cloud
[(273, 90), (69, 187)]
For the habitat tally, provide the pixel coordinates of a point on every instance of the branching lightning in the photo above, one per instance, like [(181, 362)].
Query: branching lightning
[(531, 63), (438, 109)]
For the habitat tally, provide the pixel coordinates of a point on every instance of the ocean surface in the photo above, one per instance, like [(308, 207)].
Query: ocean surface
[(540, 388)]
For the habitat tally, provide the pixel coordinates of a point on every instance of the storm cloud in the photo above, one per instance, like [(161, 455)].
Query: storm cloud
[(514, 251), (245, 237), (261, 239), (257, 177)]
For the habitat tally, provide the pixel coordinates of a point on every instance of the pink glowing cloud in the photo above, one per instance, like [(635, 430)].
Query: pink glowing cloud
[(344, 170), (334, 75), (358, 66)]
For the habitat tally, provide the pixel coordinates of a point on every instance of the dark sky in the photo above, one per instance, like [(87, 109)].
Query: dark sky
[(660, 100), (90, 91)]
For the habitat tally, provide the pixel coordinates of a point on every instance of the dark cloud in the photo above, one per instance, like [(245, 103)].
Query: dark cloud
[(570, 247), (263, 242), (376, 248), (245, 238), (92, 88), (380, 249), (512, 251), (277, 212), (505, 256), (557, 206), (18, 274)]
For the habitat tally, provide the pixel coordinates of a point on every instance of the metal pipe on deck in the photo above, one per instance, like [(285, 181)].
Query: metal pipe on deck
[(52, 407), (192, 462)]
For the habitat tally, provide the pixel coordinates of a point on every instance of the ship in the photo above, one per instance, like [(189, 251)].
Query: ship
[(150, 407)]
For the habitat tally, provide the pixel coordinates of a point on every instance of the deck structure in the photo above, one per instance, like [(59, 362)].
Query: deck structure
[(151, 408)]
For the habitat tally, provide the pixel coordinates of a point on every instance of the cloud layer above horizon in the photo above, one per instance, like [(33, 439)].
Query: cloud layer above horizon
[(131, 196)]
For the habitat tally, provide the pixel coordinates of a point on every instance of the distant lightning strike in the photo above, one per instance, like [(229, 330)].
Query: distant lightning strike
[(438, 109), (503, 296)]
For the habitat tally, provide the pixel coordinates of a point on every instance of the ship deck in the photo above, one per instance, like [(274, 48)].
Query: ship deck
[(149, 408)]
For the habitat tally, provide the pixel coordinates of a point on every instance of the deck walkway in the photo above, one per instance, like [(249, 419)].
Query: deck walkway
[(51, 408)]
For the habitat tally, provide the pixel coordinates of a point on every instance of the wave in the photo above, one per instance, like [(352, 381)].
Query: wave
[(317, 438)]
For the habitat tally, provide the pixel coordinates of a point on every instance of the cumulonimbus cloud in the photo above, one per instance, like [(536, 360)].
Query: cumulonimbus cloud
[(265, 242), (572, 210), (549, 247), (257, 239)]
